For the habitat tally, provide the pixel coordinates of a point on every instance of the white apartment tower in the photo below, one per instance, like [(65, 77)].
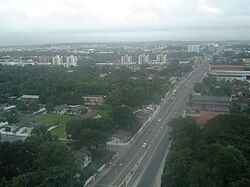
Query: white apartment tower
[(193, 48), (125, 60), (56, 61), (71, 61), (160, 58), (143, 59), (165, 58)]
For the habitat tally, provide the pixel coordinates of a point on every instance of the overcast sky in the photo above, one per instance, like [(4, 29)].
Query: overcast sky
[(49, 21)]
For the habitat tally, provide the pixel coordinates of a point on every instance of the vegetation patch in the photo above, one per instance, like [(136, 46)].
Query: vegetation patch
[(59, 131), (215, 155), (52, 119)]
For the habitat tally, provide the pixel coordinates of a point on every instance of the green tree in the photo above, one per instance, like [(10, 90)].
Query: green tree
[(178, 164), (55, 176), (90, 133), (21, 107), (200, 175), (124, 118), (156, 98), (227, 163), (10, 116), (54, 154), (215, 155), (39, 130), (49, 107)]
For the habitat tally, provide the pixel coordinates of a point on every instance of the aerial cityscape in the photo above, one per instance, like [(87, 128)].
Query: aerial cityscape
[(103, 93)]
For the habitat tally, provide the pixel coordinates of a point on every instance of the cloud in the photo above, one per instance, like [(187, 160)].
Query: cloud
[(204, 7), (72, 18)]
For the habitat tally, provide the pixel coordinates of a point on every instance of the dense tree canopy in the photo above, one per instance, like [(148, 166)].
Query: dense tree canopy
[(9, 116), (216, 155), (37, 161), (94, 133), (176, 69), (90, 133), (56, 86), (210, 86), (124, 118)]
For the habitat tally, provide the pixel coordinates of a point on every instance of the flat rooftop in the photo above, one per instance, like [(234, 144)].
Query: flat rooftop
[(29, 97), (90, 96), (211, 98), (232, 73)]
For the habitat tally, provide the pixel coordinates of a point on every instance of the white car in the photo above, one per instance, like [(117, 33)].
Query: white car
[(144, 145), (159, 120)]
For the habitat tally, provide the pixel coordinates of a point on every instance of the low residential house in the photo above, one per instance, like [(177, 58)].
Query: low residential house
[(92, 114), (60, 110), (150, 77), (6, 107), (82, 158), (209, 103), (14, 132), (76, 110), (135, 67), (3, 124), (93, 100), (227, 67), (12, 100), (3, 106), (28, 99)]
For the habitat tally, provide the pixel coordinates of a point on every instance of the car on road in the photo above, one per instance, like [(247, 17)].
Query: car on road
[(159, 120), (144, 145)]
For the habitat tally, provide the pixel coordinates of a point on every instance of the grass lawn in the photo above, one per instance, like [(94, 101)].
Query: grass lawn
[(58, 131), (54, 120)]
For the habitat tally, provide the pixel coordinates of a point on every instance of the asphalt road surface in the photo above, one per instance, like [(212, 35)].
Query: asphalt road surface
[(139, 163)]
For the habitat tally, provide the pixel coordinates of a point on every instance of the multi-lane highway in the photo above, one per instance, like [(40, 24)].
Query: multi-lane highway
[(139, 163)]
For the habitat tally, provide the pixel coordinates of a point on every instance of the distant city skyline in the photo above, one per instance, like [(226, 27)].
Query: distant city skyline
[(64, 21)]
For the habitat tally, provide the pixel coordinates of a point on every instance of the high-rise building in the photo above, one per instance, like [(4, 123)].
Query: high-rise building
[(160, 58), (193, 48), (56, 61), (246, 62), (61, 59), (43, 59), (125, 60), (143, 59), (165, 58), (71, 61)]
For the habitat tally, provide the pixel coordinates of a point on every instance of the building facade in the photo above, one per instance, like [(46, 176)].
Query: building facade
[(56, 61), (230, 75), (193, 48), (71, 61), (143, 59), (210, 103), (125, 60), (28, 99), (93, 100), (160, 58)]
